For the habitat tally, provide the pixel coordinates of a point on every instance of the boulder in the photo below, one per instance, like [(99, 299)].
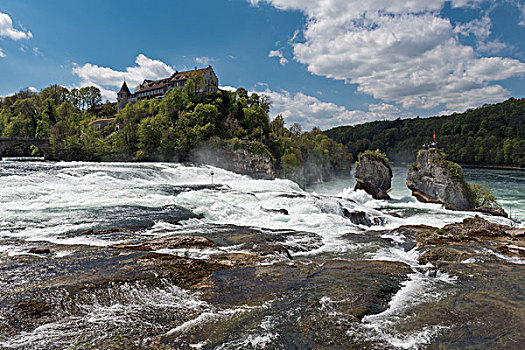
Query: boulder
[(277, 211), (258, 166), (373, 174), (433, 179), (40, 250), (357, 217)]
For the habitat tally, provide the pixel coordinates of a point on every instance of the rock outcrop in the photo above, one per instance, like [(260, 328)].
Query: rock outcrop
[(259, 166), (433, 179), (486, 260), (373, 174), (249, 158)]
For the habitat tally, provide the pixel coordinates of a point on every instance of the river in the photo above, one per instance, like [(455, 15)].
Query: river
[(58, 203)]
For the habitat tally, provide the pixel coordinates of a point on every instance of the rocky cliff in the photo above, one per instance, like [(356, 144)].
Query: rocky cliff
[(373, 174), (433, 179), (259, 166), (252, 159)]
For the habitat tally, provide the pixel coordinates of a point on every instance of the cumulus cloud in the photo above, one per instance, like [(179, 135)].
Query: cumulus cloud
[(310, 112), (481, 29), (401, 52), (278, 53), (384, 108), (8, 31), (105, 77)]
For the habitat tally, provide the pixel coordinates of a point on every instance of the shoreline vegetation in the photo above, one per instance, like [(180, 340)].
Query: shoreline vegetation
[(492, 135), (184, 126), (189, 126)]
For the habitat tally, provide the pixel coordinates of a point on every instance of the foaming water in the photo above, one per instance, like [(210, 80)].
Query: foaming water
[(65, 203), (46, 201), (123, 307), (418, 289)]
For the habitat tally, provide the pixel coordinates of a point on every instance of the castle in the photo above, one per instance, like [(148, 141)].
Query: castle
[(205, 80)]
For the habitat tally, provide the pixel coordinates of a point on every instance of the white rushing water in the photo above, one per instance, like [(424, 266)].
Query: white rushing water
[(46, 201), (55, 202)]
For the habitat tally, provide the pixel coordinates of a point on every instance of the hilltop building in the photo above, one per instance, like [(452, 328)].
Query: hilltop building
[(205, 79)]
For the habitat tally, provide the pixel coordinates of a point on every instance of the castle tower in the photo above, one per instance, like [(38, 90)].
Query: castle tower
[(123, 96)]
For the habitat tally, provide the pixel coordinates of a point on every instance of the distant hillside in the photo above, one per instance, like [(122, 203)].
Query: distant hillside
[(493, 135)]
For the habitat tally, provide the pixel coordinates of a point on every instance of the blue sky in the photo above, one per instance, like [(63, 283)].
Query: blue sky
[(322, 62)]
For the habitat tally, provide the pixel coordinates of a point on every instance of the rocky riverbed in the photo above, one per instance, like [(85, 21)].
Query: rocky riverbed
[(133, 296)]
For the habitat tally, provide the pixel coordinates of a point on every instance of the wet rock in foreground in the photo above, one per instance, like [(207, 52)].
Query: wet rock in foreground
[(173, 242), (128, 299), (474, 238), (485, 309), (299, 298)]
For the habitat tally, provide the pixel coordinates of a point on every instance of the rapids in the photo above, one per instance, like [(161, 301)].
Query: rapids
[(62, 203)]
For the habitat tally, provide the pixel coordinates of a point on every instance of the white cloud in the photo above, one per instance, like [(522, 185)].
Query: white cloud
[(204, 60), (104, 77), (228, 88), (310, 112), (520, 6), (401, 51), (384, 108), (481, 29), (278, 53), (7, 30), (294, 36)]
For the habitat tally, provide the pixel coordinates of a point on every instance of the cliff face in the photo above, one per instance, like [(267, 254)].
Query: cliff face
[(241, 161), (433, 179), (258, 166), (374, 176)]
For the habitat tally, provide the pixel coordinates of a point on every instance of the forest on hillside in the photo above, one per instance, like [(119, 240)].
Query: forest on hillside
[(493, 135), (167, 129)]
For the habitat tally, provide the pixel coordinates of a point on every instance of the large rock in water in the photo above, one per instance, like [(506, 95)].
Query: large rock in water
[(433, 179), (374, 174)]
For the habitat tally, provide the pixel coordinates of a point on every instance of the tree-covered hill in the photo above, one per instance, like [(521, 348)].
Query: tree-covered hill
[(168, 129), (493, 135)]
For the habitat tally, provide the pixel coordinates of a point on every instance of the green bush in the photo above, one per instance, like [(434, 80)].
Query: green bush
[(375, 155), (257, 148), (482, 196)]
